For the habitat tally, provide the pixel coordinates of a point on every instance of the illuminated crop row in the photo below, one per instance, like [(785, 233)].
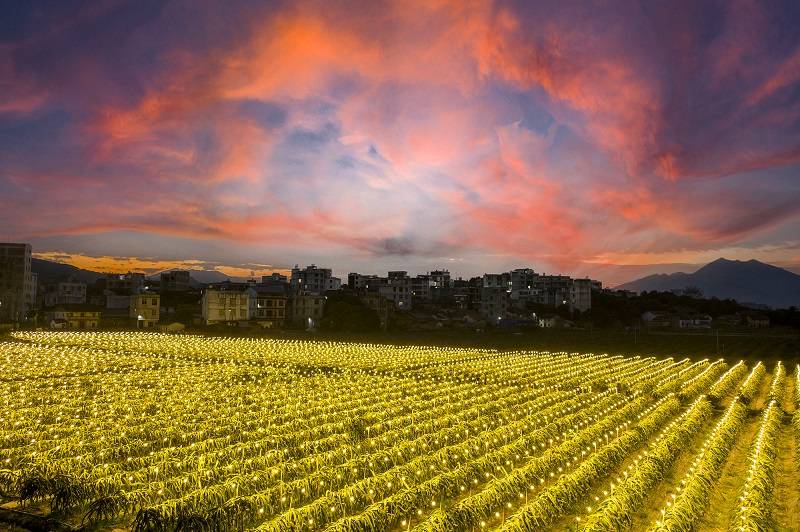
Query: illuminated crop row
[(180, 432), (615, 511), (728, 381), (686, 505), (751, 384), (776, 386), (554, 501), (527, 478), (755, 504), (701, 382)]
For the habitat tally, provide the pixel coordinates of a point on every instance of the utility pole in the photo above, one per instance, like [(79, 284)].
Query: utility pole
[(717, 341)]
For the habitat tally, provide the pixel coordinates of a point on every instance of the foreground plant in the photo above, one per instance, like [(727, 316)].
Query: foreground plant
[(754, 511)]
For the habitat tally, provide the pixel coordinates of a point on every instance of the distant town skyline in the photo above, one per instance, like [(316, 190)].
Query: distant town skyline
[(476, 136)]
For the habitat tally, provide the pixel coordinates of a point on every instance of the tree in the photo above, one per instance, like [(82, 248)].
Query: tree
[(346, 313)]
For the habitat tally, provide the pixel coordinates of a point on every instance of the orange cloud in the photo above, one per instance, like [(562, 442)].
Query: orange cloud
[(112, 264), (109, 264)]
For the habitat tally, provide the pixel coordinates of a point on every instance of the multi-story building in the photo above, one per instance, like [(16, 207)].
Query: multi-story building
[(461, 293), (474, 289), (494, 303), (358, 281), (313, 280), (224, 305), (127, 283), (421, 286), (581, 295), (440, 279), (268, 305), (553, 290), (15, 282), (274, 278), (73, 317), (65, 293), (305, 310), (175, 281), (145, 308), (522, 279), (397, 288), (497, 280), (34, 291), (523, 286)]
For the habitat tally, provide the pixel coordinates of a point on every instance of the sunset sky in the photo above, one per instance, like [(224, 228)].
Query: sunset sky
[(471, 135)]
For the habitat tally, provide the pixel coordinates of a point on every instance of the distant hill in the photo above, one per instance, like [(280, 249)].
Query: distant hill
[(54, 272), (745, 281), (200, 276)]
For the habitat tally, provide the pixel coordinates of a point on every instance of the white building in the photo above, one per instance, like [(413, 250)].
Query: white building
[(225, 306), (268, 305), (145, 308)]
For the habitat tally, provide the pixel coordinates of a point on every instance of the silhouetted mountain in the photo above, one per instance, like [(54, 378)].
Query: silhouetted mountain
[(745, 281), (199, 277), (54, 272)]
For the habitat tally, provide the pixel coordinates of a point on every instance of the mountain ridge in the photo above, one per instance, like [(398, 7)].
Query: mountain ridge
[(49, 272), (750, 281)]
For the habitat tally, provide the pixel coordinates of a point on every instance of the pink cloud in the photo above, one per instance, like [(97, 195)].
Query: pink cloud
[(400, 129)]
